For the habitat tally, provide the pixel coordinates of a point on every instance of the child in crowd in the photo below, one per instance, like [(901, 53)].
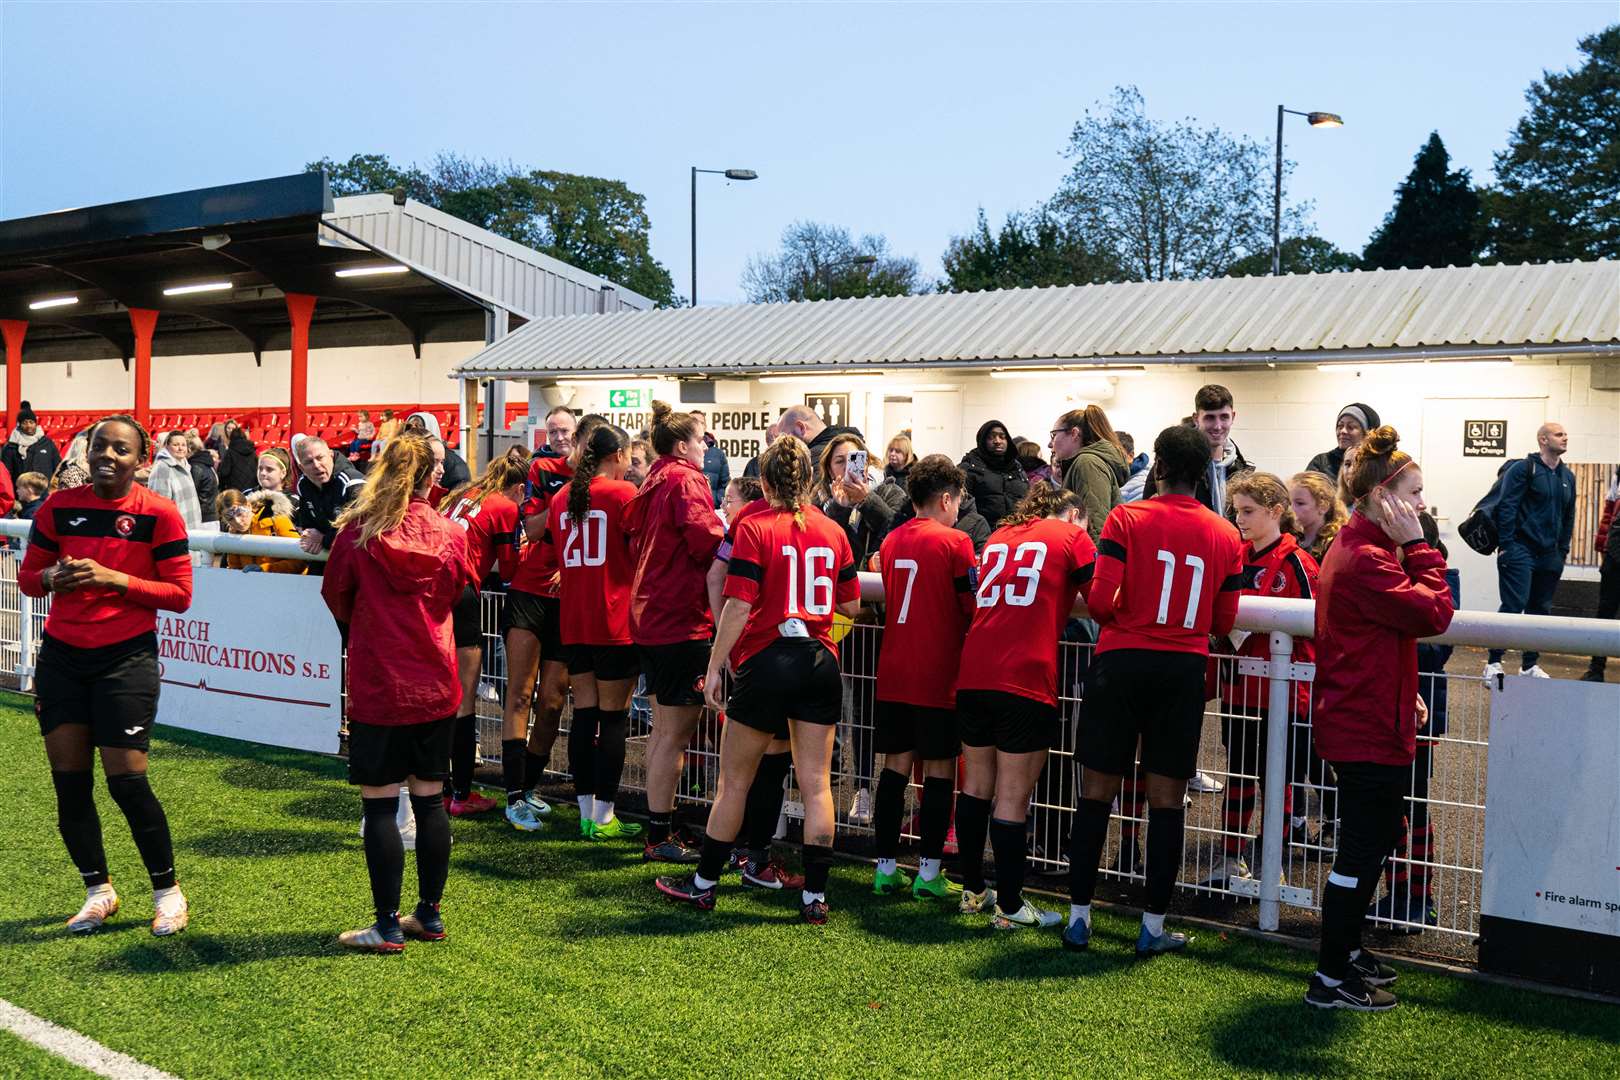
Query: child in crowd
[(263, 513), (31, 487)]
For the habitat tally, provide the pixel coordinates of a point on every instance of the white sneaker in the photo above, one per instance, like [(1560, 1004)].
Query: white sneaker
[(540, 807), (861, 812), (1028, 917), (1534, 671), (100, 904), (980, 903), (1205, 784), (1231, 867), (1492, 671), (171, 913)]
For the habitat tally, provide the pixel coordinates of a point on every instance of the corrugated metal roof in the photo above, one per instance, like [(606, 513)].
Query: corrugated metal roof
[(1379, 312), (499, 271)]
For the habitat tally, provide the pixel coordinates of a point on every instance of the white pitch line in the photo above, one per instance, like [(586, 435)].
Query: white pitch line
[(71, 1046)]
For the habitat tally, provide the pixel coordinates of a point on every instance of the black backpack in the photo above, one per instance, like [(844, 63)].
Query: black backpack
[(1478, 530)]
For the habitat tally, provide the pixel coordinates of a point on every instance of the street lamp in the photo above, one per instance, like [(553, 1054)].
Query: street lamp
[(854, 260), (1315, 119), (729, 174)]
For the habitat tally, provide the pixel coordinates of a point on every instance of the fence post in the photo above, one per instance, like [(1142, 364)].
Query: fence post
[(25, 642), (1273, 823)]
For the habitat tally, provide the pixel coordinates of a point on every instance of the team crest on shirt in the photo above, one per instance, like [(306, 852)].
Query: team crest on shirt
[(1278, 583), (124, 525)]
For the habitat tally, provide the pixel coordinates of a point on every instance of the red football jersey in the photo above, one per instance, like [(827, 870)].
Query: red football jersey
[(492, 532), (141, 535), (789, 575), (748, 510), (1286, 570), (1169, 571), (597, 567), (928, 603), (1029, 575), (537, 567)]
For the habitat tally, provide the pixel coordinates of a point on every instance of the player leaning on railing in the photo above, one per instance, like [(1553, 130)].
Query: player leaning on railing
[(113, 554), (1382, 588), (791, 567), (395, 573)]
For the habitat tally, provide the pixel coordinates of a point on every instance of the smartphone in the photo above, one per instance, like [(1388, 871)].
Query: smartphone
[(855, 467)]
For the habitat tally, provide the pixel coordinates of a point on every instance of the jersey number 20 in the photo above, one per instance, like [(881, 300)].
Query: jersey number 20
[(587, 546)]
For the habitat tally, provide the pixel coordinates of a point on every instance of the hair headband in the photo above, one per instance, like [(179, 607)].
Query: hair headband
[(1386, 481)]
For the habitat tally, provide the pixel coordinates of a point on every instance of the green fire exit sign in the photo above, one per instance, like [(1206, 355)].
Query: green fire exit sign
[(625, 399)]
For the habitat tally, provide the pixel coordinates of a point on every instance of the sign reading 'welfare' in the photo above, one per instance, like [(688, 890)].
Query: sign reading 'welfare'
[(257, 657)]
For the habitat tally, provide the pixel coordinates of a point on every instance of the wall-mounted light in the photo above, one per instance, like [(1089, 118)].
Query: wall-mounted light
[(55, 301)]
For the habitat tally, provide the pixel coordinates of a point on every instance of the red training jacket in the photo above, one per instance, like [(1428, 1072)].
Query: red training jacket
[(395, 595), (1284, 570), (1371, 609), (673, 533)]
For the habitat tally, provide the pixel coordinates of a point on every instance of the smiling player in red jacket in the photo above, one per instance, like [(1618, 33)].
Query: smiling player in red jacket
[(1382, 588), (111, 555)]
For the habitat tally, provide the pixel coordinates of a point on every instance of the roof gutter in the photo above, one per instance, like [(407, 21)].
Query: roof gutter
[(1094, 365)]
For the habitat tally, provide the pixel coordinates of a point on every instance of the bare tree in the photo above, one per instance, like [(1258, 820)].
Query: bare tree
[(1168, 201), (822, 262)]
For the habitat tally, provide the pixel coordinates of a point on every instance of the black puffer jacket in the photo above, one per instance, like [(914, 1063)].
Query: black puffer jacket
[(996, 481), (968, 520), (867, 524), (239, 464), (207, 484)]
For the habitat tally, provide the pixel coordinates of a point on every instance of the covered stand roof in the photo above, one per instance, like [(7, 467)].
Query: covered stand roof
[(1380, 314), (259, 241)]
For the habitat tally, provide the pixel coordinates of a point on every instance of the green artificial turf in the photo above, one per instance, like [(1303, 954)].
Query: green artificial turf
[(21, 1058), (563, 961)]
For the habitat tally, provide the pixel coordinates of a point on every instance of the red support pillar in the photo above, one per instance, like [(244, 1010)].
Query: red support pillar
[(300, 309), (13, 329), (144, 323)]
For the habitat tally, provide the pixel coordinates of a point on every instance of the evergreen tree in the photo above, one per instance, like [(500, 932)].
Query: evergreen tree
[(1435, 220), (1028, 250)]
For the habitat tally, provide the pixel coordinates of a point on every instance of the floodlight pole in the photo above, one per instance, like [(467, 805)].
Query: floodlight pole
[(1315, 119), (729, 174)]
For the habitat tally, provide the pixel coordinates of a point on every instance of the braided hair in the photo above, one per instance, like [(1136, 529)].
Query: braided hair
[(604, 441), (123, 418), (784, 472), (1045, 500)]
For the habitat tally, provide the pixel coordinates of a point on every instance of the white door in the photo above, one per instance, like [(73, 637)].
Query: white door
[(1453, 483), (936, 422)]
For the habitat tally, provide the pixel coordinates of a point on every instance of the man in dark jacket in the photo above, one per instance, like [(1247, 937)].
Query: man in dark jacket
[(29, 449), (239, 464), (715, 465), (1535, 519), (1214, 413), (326, 486), (1354, 421), (995, 477), (456, 472), (802, 422)]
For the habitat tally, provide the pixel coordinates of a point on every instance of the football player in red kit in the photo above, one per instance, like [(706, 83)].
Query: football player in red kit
[(112, 555), (585, 526), (1033, 566), (791, 568), (1273, 565), (536, 669), (487, 509), (1168, 576), (928, 575)]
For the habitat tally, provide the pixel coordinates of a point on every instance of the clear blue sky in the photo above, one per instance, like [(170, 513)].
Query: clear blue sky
[(899, 119)]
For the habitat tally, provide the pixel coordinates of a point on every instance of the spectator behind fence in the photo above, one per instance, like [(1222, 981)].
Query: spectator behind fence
[(359, 449), (274, 473), (260, 513), (171, 478), (29, 449), (396, 571), (1382, 589), (898, 459), (641, 458), (326, 488), (1093, 464), (238, 460), (803, 423), (203, 478), (1535, 519), (75, 468), (388, 427), (1030, 460), (1317, 509), (31, 490), (864, 510), (1131, 489), (1607, 542), (995, 479), (1352, 425), (456, 473), (715, 466), (1214, 414)]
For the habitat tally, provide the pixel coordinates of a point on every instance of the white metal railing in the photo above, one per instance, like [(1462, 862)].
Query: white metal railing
[(1444, 842)]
